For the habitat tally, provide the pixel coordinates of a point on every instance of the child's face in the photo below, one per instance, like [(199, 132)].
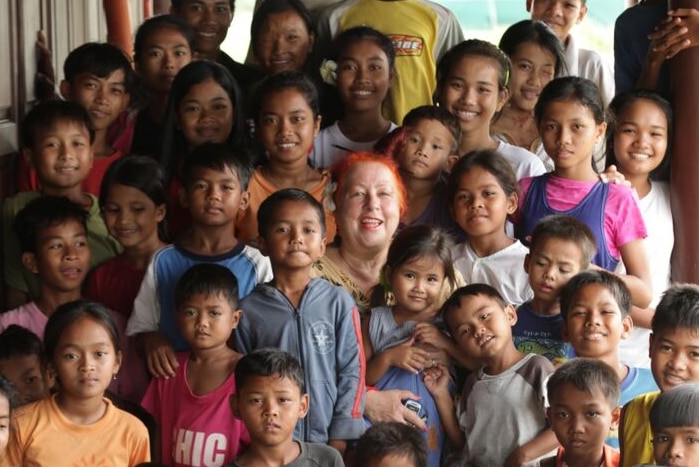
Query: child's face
[(640, 138), (417, 285), (425, 154), (287, 127), (210, 20), (284, 42), (559, 15), (677, 446), (131, 216), (206, 321), (471, 92), (165, 52), (581, 421), (569, 132), (551, 265), (363, 76), (206, 114), (270, 407), (482, 327), (62, 256), (26, 376), (214, 197), (62, 155), (85, 360), (480, 205), (533, 67), (594, 325), (4, 424), (295, 238), (104, 98), (674, 357)]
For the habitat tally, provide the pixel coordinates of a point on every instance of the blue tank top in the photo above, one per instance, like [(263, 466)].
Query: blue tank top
[(590, 211)]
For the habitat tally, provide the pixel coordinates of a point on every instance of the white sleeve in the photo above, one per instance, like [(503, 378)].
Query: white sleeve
[(146, 307)]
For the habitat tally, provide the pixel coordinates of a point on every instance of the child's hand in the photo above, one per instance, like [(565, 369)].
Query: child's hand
[(408, 357), (427, 333), (612, 175), (436, 380), (160, 356)]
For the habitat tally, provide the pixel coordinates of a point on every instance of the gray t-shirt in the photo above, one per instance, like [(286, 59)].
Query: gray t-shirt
[(312, 455)]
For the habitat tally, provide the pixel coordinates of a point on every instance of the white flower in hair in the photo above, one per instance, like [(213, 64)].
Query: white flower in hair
[(327, 197), (328, 71)]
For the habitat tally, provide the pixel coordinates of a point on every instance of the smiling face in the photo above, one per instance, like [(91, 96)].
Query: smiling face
[(674, 356), (131, 216), (363, 76), (214, 197), (206, 114), (103, 98), (164, 53), (283, 43), (551, 265), (425, 154), (471, 92), (533, 68), (206, 321), (594, 325), (417, 285), (582, 421), (677, 446), (270, 407), (640, 138), (559, 15), (210, 20), (287, 127)]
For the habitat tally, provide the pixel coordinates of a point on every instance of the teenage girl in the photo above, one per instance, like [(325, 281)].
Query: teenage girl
[(163, 45), (78, 425), (637, 142), (7, 400), (482, 191), (288, 120), (537, 58), (570, 116), (204, 107), (400, 341), (472, 80), (364, 59)]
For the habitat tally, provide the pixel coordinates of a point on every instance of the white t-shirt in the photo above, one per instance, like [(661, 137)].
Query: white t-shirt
[(331, 146), (524, 163)]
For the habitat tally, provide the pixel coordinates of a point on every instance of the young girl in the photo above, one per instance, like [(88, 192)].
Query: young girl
[(537, 58), (7, 402), (204, 107), (674, 419), (364, 60), (400, 341), (637, 143), (570, 116), (78, 425), (472, 80), (288, 120), (164, 44), (482, 190)]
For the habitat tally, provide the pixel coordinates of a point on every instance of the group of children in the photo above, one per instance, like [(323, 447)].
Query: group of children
[(222, 348)]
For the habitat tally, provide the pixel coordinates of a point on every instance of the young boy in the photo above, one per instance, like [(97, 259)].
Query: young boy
[(561, 246), (215, 180), (391, 443), (57, 140), (431, 137), (584, 406), (507, 391), (192, 409), (561, 16), (270, 400), (674, 420), (674, 346), (22, 363), (595, 307), (315, 321)]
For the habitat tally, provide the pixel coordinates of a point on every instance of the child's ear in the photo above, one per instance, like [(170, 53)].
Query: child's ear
[(303, 407), (601, 131), (503, 97), (626, 327), (65, 89), (581, 15), (160, 212), (452, 159), (236, 318), (233, 402), (244, 200), (616, 418), (316, 126), (512, 201), (117, 363), (511, 314), (29, 262)]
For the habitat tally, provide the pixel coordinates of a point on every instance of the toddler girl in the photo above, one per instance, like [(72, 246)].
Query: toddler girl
[(288, 120), (482, 191), (570, 116), (472, 80), (78, 425), (400, 341), (537, 58), (364, 61), (637, 142)]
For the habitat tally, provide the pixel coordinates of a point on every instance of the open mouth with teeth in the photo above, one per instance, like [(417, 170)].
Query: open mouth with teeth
[(639, 156)]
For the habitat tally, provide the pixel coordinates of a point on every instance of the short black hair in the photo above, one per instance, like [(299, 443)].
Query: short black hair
[(156, 23), (47, 114), (358, 34), (218, 156), (571, 88), (268, 362), (207, 279), (44, 212), (392, 439), (267, 213), (676, 407), (18, 341), (489, 160), (587, 375), (471, 290), (606, 279), (536, 32), (283, 80), (568, 228), (439, 114), (678, 308), (100, 59)]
